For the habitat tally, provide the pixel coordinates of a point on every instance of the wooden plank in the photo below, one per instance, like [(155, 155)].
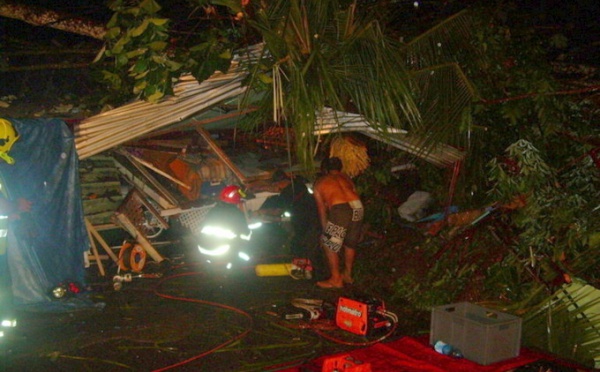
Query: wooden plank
[(92, 230), (221, 154), (164, 174), (148, 185), (89, 144), (100, 205), (139, 237), (98, 175), (102, 188), (95, 254), (100, 218)]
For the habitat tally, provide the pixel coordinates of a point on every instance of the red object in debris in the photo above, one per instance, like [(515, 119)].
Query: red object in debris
[(360, 316), (345, 363), (351, 316), (185, 173), (74, 288)]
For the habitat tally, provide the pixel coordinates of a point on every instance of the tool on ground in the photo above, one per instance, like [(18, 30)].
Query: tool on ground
[(276, 269), (118, 280), (300, 268), (132, 257), (345, 363), (363, 316), (65, 289)]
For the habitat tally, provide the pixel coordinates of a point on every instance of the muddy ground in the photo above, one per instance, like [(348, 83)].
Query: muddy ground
[(193, 318), (190, 319)]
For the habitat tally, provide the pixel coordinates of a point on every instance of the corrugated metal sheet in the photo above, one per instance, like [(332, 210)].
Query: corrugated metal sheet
[(442, 155)]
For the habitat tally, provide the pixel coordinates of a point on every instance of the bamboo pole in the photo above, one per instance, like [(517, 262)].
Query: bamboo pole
[(149, 114), (146, 117), (144, 109), (91, 146), (195, 123), (92, 136)]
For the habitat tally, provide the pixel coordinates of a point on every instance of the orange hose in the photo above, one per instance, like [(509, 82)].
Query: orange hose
[(194, 300)]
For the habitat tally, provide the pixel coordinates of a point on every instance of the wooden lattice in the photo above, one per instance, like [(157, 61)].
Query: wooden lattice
[(136, 207)]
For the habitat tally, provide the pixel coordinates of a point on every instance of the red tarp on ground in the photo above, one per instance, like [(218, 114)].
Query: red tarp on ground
[(416, 355)]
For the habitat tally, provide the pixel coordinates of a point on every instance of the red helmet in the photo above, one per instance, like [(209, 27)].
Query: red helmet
[(231, 194)]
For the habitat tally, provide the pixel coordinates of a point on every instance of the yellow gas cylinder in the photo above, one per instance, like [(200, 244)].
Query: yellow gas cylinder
[(276, 269)]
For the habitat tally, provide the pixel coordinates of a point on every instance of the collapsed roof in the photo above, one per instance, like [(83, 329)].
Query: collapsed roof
[(201, 104)]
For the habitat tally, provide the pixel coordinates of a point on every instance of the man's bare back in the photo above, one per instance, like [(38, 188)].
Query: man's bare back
[(335, 188)]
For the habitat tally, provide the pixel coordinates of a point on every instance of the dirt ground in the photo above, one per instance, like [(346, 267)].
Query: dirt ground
[(189, 319)]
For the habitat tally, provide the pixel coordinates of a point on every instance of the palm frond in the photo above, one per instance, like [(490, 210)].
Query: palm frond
[(567, 324), (330, 57), (444, 95), (441, 43)]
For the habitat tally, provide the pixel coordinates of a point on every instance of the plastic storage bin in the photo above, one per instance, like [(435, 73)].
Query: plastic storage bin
[(483, 336)]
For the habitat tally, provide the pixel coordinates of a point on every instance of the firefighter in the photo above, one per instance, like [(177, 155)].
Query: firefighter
[(9, 209)]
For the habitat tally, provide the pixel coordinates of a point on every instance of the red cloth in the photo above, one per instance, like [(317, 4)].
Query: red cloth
[(416, 355)]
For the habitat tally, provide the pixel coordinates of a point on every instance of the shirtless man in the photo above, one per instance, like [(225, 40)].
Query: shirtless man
[(341, 214)]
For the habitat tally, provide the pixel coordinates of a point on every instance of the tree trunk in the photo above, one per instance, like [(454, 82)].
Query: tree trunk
[(49, 18)]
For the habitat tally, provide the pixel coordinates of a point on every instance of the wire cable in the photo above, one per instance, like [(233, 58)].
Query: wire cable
[(203, 302)]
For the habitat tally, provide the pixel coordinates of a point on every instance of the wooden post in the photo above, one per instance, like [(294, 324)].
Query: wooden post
[(221, 154), (95, 254), (96, 234), (139, 237)]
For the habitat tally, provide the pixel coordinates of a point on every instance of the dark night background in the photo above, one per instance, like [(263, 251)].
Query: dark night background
[(24, 46)]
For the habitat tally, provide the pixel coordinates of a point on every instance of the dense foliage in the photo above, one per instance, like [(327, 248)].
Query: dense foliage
[(532, 176)]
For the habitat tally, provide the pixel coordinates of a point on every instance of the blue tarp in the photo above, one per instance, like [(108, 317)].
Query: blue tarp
[(46, 245)]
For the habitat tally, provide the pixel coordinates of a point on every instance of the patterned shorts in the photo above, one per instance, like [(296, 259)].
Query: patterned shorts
[(344, 225)]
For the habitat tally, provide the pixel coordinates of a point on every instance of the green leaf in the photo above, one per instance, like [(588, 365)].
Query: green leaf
[(135, 11), (112, 33), (122, 60), (160, 59), (113, 79), (140, 29), (172, 65), (158, 21), (234, 5), (200, 47), (140, 87), (136, 53), (119, 45), (226, 55), (158, 46), (141, 75), (150, 6), (267, 79), (140, 66), (100, 54), (114, 21), (153, 98)]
